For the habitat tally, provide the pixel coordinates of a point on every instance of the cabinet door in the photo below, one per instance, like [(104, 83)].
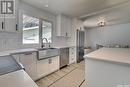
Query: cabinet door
[(42, 68), (28, 60), (2, 22), (64, 26), (72, 55), (11, 21), (10, 24), (54, 64)]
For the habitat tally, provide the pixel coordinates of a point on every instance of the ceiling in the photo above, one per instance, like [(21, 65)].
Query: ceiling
[(117, 15), (74, 8)]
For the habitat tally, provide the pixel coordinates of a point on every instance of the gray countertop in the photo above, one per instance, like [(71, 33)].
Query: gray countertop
[(8, 64), (17, 51), (65, 46), (117, 55)]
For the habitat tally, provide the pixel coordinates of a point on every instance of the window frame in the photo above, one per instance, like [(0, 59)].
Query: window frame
[(40, 34), (40, 29)]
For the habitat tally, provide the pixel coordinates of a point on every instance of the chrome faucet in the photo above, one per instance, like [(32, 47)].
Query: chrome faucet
[(43, 45)]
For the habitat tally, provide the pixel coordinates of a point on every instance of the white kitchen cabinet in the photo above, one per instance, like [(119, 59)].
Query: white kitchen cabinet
[(1, 23), (72, 55), (64, 26), (29, 62), (9, 22), (47, 66), (10, 25), (42, 68), (54, 64)]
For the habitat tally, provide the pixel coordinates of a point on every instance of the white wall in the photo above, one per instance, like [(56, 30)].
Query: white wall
[(76, 24), (9, 41), (116, 34)]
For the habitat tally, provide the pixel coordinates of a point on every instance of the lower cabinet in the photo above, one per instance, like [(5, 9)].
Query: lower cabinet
[(72, 55), (37, 69), (28, 60), (42, 68), (47, 66), (54, 64)]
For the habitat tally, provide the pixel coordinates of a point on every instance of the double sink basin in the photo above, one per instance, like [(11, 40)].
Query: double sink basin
[(44, 53)]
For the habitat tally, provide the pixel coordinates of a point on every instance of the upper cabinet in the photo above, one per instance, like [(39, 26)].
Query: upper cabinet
[(64, 26), (9, 17)]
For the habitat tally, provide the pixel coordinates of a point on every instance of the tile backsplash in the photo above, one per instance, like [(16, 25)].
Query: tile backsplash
[(9, 41)]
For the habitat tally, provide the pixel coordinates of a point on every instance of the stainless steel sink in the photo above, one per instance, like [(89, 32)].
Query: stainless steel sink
[(44, 53)]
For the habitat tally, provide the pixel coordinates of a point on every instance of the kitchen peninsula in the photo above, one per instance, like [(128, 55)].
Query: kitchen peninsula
[(108, 67)]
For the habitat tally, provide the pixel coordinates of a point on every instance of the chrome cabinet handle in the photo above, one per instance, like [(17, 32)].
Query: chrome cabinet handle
[(2, 25), (16, 27)]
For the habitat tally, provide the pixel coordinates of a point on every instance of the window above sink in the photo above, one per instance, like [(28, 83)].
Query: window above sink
[(35, 29), (47, 31), (30, 30)]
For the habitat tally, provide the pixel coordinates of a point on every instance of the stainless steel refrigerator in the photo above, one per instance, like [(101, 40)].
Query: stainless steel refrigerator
[(80, 45)]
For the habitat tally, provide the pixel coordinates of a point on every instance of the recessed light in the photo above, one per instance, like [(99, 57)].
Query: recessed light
[(47, 6)]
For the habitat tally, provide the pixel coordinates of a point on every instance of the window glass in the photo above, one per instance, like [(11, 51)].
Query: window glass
[(30, 30)]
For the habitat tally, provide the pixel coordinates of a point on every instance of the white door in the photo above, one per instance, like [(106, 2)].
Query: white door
[(28, 60)]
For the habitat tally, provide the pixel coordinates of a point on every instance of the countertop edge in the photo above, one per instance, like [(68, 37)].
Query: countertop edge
[(109, 61)]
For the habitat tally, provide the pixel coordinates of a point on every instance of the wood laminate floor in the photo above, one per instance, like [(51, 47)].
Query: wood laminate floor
[(70, 76)]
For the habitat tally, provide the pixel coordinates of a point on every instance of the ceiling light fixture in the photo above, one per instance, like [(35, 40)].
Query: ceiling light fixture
[(46, 5), (47, 2), (102, 24)]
